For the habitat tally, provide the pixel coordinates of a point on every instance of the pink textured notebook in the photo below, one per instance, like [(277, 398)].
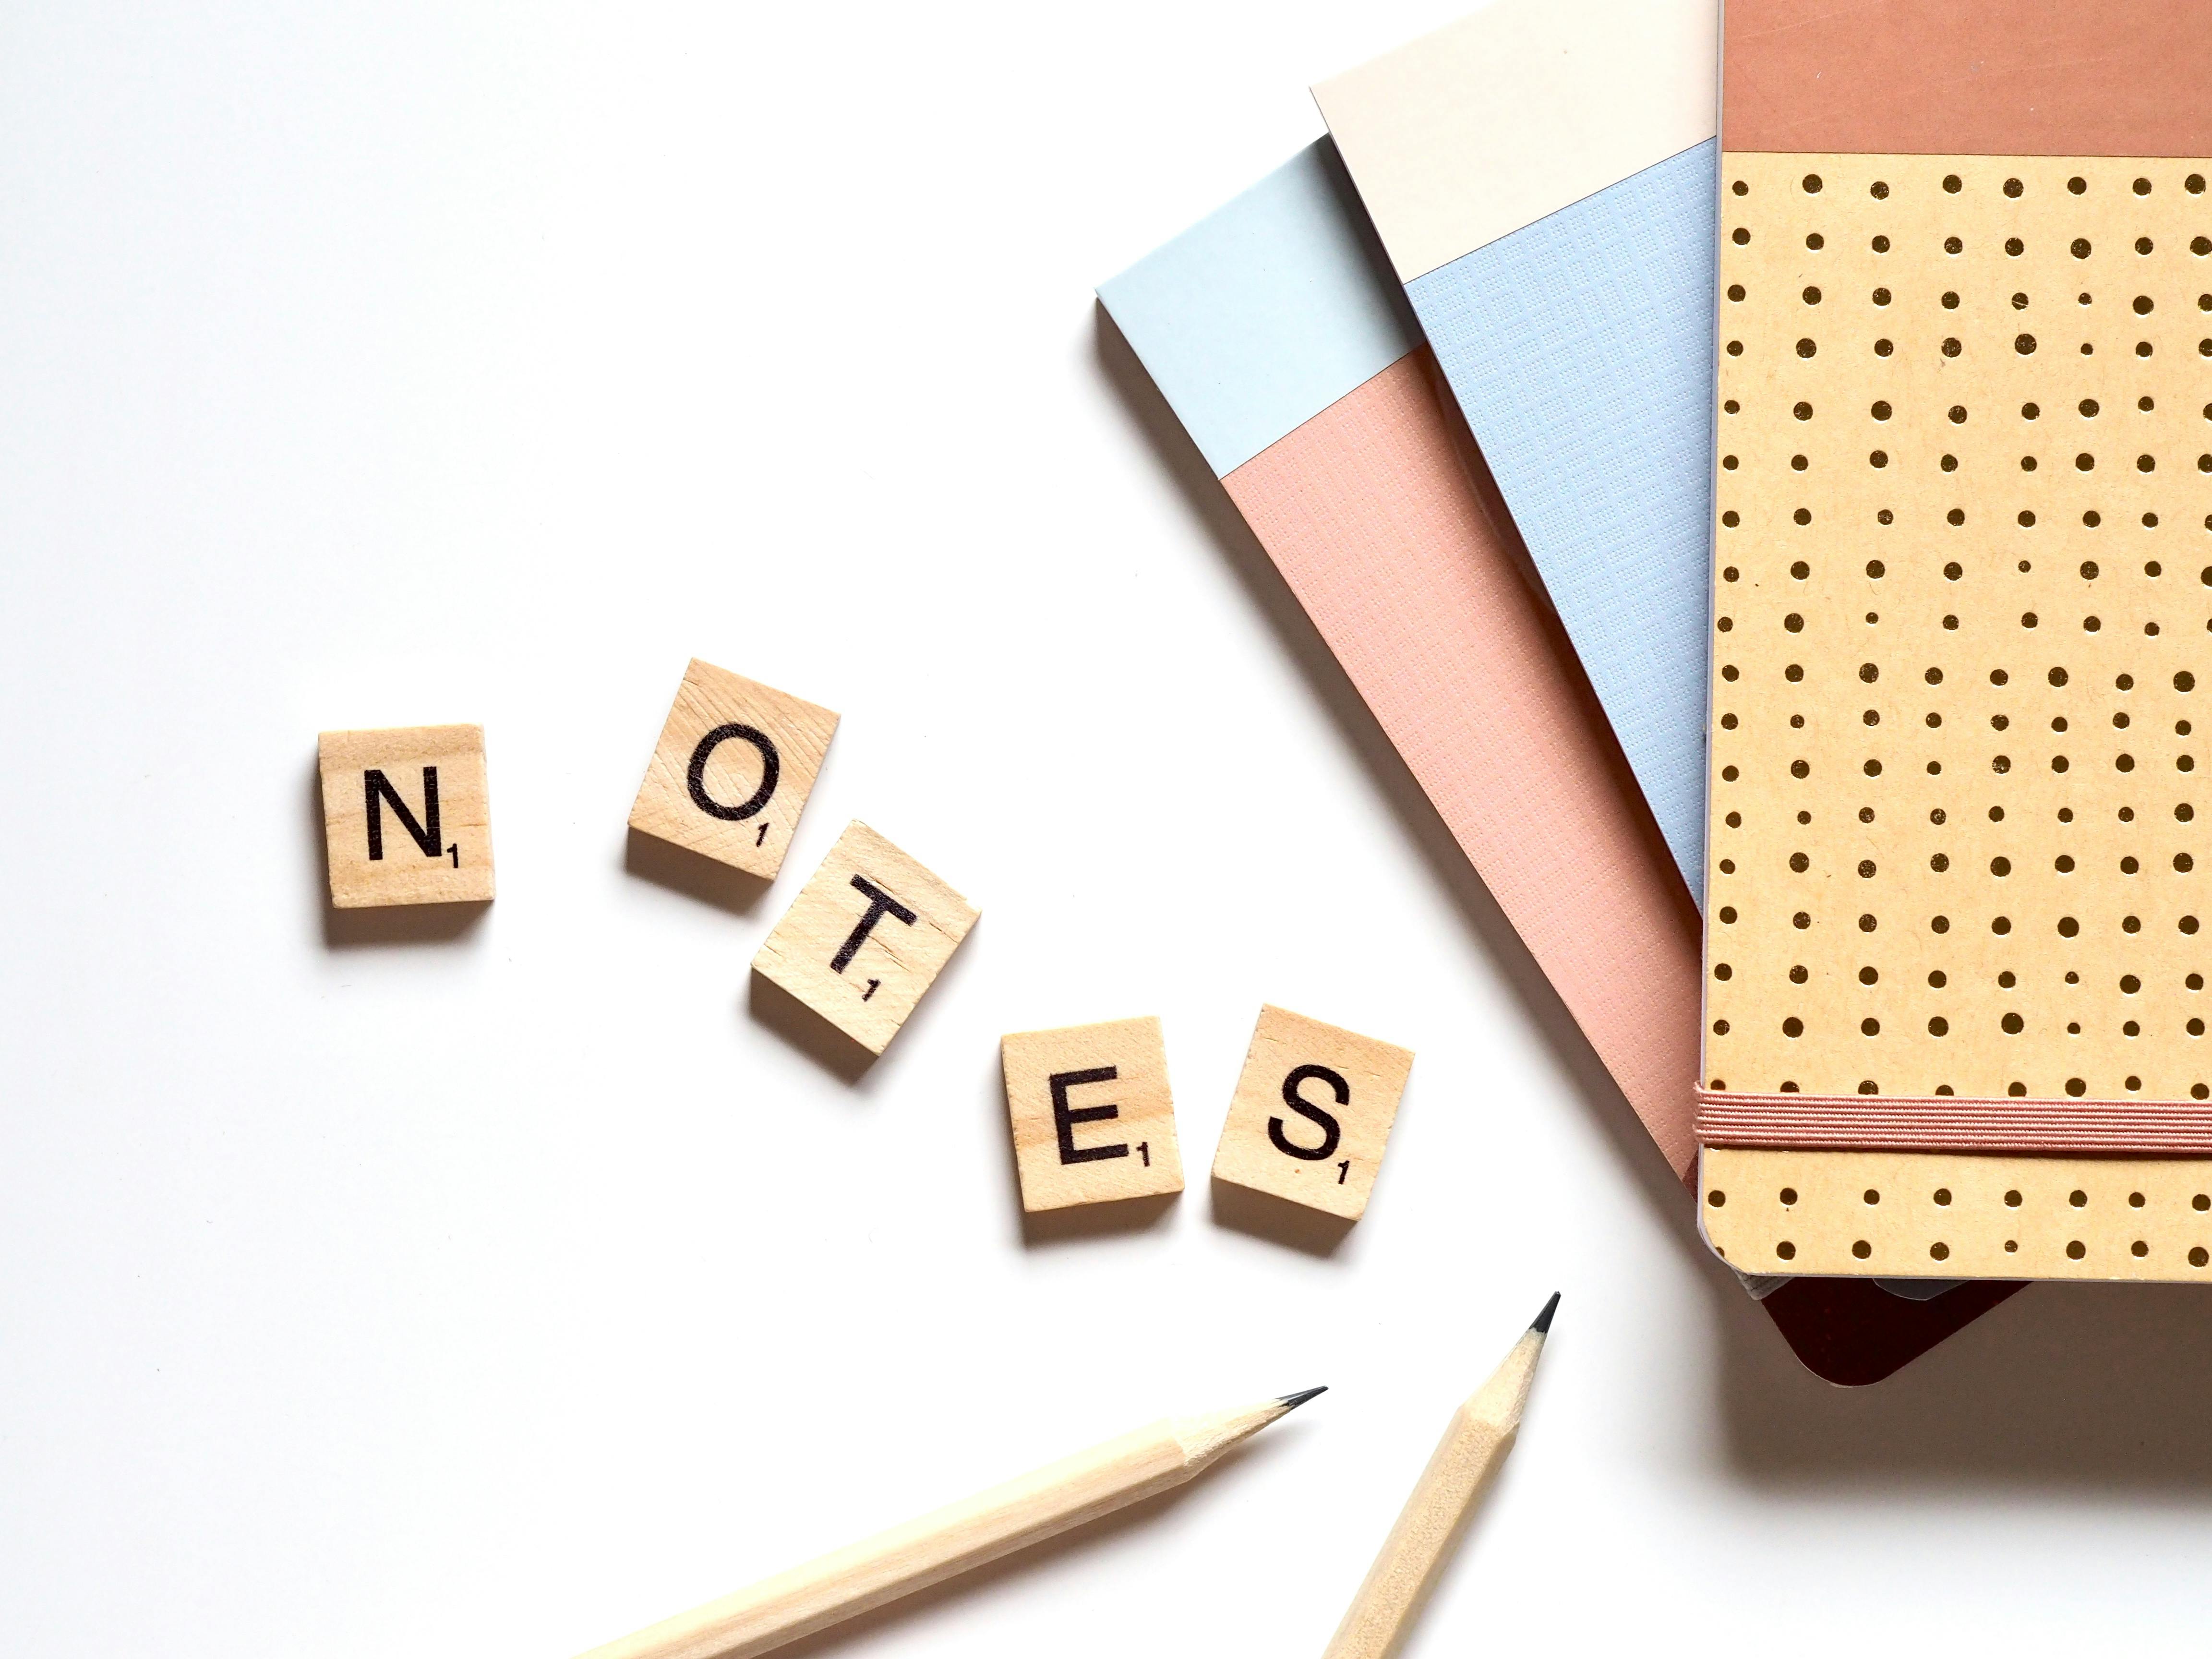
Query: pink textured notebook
[(1285, 357), (1459, 665)]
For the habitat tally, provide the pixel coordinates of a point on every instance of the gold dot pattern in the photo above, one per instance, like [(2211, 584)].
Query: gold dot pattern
[(1963, 606), (1909, 1215)]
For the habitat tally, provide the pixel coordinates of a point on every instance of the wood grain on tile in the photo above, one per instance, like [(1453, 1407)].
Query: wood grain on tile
[(406, 815), (1312, 1114), (732, 770), (1092, 1118), (866, 936)]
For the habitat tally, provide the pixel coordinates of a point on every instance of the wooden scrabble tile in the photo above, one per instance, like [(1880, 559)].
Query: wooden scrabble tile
[(735, 764), (1091, 1114), (407, 816), (1312, 1113), (865, 937)]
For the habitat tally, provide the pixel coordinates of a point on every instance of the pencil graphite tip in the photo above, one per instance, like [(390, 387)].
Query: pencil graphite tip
[(1542, 1322), (1291, 1402)]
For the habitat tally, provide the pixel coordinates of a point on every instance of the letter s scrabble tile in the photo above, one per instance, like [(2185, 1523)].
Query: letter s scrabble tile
[(1312, 1114), (866, 936), (1092, 1116), (406, 815), (732, 770)]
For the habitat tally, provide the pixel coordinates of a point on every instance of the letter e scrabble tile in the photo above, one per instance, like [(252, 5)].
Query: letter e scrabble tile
[(1092, 1118), (406, 815), (1312, 1113), (734, 766), (866, 936)]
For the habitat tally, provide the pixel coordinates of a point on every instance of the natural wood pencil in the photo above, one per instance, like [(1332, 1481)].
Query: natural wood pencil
[(1428, 1528), (951, 1540)]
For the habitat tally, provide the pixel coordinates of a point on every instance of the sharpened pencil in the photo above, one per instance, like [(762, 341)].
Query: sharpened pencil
[(952, 1539), (1428, 1530)]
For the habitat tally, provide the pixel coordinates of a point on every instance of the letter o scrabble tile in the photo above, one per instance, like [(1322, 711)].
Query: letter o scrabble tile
[(1092, 1116), (406, 815), (732, 770), (1312, 1114), (866, 936)]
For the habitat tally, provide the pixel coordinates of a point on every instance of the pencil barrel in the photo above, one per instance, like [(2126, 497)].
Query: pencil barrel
[(1426, 1532), (923, 1551)]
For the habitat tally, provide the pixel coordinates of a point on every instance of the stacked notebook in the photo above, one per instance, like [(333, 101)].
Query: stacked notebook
[(1956, 984), (1456, 370), (1274, 332)]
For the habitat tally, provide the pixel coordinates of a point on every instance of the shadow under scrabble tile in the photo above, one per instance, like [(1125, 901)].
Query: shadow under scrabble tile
[(1278, 1220), (693, 875), (410, 924), (1082, 1221), (380, 925), (805, 1031)]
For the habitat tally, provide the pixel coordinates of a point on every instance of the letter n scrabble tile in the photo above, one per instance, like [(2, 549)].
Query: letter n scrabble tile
[(866, 936), (1312, 1113), (407, 816), (732, 770), (1092, 1118)]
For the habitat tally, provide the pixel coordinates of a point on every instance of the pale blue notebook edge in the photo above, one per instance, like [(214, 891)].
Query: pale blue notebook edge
[(1580, 349), (1266, 310)]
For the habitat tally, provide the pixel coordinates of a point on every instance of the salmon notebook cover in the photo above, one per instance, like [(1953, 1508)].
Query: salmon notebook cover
[(1275, 332), (1956, 981)]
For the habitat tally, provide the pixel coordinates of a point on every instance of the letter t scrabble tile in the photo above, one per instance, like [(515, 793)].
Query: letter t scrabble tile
[(866, 936), (1092, 1118), (732, 770), (1312, 1113), (406, 815)]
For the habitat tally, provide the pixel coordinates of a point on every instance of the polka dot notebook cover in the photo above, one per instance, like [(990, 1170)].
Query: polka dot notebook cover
[(1957, 940), (1278, 339)]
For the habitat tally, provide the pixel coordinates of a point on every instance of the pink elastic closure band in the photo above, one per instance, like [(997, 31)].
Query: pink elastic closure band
[(1949, 1123)]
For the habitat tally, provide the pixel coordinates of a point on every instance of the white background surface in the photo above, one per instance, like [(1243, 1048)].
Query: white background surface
[(363, 1292)]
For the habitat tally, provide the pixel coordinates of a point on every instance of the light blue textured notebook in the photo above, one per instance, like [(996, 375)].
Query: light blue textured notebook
[(1265, 313), (1542, 177)]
